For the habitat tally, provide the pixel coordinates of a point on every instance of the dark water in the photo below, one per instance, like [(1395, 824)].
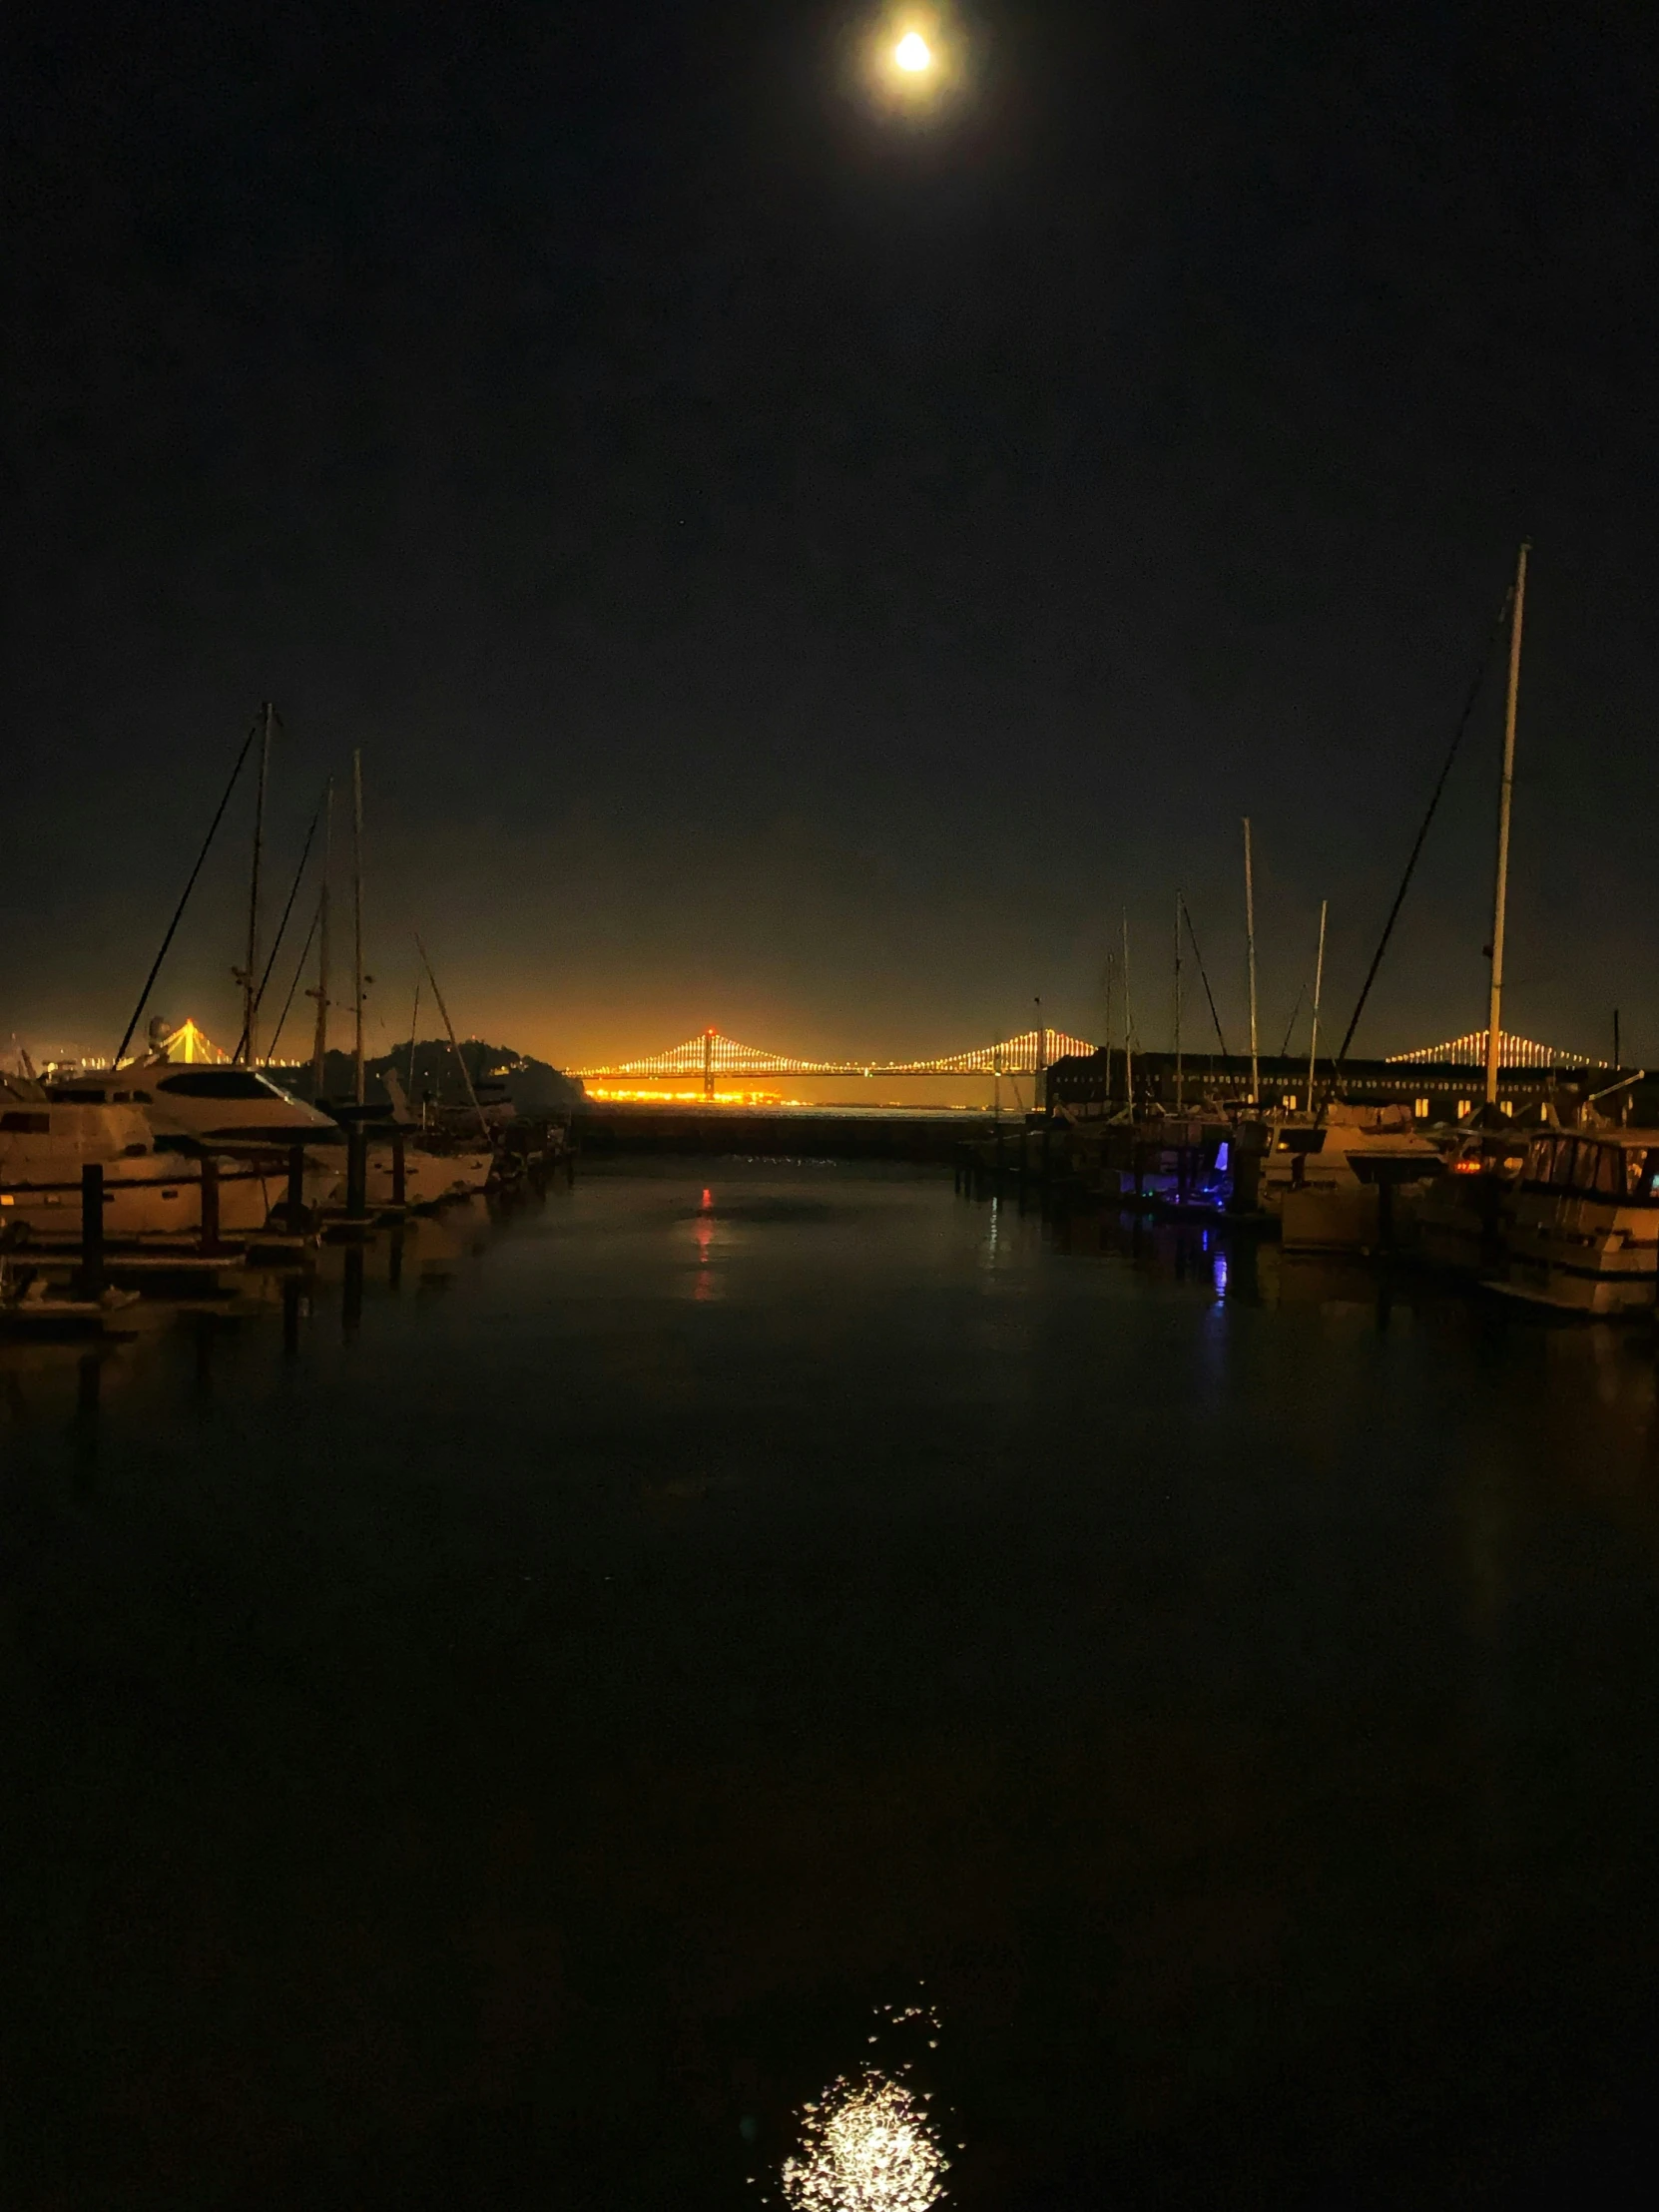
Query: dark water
[(506, 1749)]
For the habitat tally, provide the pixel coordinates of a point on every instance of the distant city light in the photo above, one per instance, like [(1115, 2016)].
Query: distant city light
[(913, 52)]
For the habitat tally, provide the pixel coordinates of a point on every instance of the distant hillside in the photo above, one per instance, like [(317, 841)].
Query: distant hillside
[(530, 1086)]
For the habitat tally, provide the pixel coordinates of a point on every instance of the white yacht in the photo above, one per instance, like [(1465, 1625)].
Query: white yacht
[(1335, 1182), (1583, 1226), (149, 1189), (220, 1106)]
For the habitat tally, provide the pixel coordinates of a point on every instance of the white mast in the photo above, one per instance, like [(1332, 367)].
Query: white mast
[(1110, 959), (251, 973), (1501, 894), (1318, 979), (1249, 946), (320, 1040), (1128, 1044), (357, 900), (1178, 998)]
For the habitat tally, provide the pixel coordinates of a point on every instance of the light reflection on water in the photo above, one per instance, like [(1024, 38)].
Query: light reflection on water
[(867, 2146), (1175, 1679), (870, 2142)]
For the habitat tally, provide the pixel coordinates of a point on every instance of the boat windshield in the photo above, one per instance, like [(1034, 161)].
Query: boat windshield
[(1301, 1140), (1627, 1174), (219, 1083)]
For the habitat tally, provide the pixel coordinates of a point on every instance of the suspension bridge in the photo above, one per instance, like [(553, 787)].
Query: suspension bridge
[(710, 1056)]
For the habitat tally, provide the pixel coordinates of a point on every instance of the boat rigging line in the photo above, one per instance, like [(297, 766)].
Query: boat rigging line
[(299, 969), (454, 1041), (1205, 980), (249, 1046), (1301, 994), (1474, 692), (243, 1042), (179, 910)]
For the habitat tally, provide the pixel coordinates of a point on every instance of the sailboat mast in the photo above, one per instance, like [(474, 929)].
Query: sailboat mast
[(1111, 960), (358, 914), (1319, 982), (251, 973), (1178, 1086), (454, 1041), (1250, 948), (1128, 1046), (1500, 894), (320, 1039)]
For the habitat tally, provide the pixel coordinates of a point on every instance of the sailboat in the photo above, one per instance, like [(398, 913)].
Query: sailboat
[(430, 1175), (1578, 1224), (235, 1110)]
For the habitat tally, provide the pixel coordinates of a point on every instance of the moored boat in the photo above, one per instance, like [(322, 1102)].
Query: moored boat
[(429, 1177), (1340, 1181), (152, 1187), (1461, 1220), (228, 1108), (1583, 1231)]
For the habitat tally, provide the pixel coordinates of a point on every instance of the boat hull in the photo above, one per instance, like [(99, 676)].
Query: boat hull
[(429, 1178), (1583, 1235), (155, 1205), (1564, 1290)]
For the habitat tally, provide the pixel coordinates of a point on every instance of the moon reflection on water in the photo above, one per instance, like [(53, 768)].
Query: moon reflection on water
[(866, 2146), (870, 2143)]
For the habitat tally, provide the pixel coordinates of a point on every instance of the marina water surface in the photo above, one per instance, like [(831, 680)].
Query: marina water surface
[(1186, 1721)]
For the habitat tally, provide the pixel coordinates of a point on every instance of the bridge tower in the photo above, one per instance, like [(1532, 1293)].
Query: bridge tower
[(708, 1063)]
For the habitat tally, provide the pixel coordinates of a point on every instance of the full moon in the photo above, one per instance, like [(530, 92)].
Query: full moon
[(913, 52)]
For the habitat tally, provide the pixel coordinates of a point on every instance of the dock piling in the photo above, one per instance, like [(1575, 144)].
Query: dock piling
[(91, 1230), (209, 1207), (357, 1172)]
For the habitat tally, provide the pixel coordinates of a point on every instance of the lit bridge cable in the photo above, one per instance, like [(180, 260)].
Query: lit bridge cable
[(711, 1055)]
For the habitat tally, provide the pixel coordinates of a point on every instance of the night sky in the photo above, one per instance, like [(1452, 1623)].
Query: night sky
[(801, 568)]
